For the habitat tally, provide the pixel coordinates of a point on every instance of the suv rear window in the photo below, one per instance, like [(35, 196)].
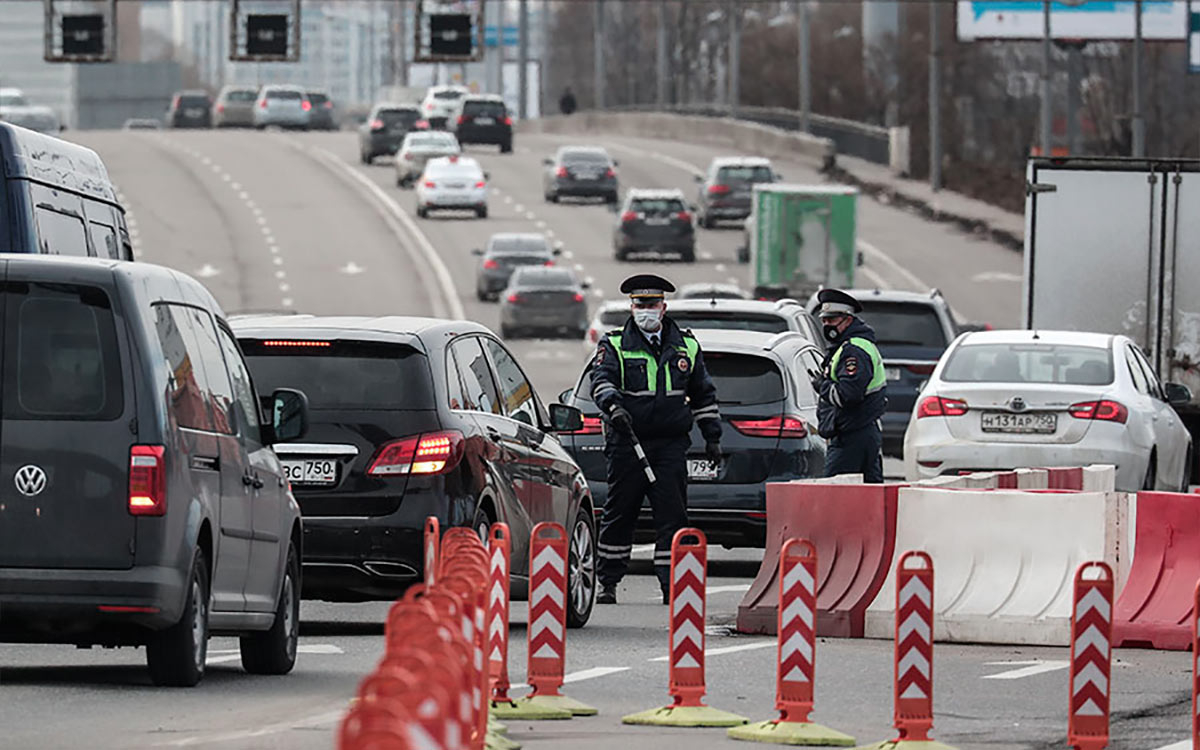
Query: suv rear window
[(398, 116), (484, 109), (451, 94), (585, 157), (241, 95), (904, 324), (61, 359), (729, 321), (355, 375), (193, 100), (523, 245), (317, 99), (284, 94), (744, 174), (744, 378), (1029, 363), (535, 276), (657, 206)]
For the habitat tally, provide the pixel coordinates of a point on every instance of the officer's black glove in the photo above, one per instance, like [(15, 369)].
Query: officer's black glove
[(621, 420), (712, 450)]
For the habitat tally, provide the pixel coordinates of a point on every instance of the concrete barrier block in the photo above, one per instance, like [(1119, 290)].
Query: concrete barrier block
[(1099, 478)]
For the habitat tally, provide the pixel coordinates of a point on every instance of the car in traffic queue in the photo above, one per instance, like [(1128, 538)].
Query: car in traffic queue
[(746, 315), (657, 222), (384, 130), (726, 190), (912, 331), (190, 109), (710, 291), (580, 172), (452, 183), (234, 107), (283, 107), (768, 416), (410, 418), (611, 314), (144, 503), (56, 198), (322, 116), (504, 253), (482, 119), (540, 300), (440, 102), (417, 148), (1009, 399), (16, 108)]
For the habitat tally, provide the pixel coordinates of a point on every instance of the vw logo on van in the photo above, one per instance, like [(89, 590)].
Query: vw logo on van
[(30, 480)]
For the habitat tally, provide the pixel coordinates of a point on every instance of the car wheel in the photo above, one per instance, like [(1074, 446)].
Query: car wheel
[(176, 656), (706, 222), (581, 569), (482, 523), (421, 212), (506, 148), (552, 198), (619, 254), (688, 255), (481, 212), (481, 295), (399, 182), (368, 158), (507, 333), (274, 651), (743, 255)]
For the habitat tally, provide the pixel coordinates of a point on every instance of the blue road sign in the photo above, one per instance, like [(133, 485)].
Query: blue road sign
[(511, 36)]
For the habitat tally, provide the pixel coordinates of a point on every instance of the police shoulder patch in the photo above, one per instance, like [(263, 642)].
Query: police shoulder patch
[(683, 364), (851, 365)]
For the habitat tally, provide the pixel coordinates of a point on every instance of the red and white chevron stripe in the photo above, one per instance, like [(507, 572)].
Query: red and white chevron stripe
[(797, 630), (1091, 657), (914, 646), (497, 626), (547, 608), (689, 562), (432, 538), (1196, 668)]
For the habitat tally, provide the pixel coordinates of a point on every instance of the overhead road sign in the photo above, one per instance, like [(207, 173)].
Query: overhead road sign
[(1162, 20), (448, 31), (80, 31), (270, 32)]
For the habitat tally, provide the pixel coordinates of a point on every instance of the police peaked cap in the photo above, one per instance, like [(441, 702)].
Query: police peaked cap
[(837, 302), (646, 285)]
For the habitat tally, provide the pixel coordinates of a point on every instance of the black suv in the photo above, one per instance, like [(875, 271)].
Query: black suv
[(912, 330), (190, 109), (384, 130), (655, 221), (483, 119), (143, 503), (413, 417), (768, 414)]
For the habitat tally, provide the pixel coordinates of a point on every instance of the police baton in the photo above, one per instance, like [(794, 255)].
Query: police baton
[(641, 454)]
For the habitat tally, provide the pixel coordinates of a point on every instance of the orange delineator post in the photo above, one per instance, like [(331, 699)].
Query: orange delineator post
[(1091, 658)]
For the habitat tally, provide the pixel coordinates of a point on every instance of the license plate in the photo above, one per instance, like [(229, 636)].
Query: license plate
[(311, 471), (193, 112), (1038, 423), (702, 470), (893, 373), (484, 121), (455, 185), (657, 222)]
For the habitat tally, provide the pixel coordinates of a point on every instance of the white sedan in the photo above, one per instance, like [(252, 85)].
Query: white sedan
[(1011, 399), (417, 149), (452, 183)]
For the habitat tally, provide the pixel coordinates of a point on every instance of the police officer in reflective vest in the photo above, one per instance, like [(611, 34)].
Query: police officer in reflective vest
[(852, 388), (650, 383)]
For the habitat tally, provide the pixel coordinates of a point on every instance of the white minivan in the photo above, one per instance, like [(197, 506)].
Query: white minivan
[(452, 183)]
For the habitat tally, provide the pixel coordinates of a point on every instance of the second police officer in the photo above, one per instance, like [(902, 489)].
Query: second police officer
[(852, 390), (650, 383)]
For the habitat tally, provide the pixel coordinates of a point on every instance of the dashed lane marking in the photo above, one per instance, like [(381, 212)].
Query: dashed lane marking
[(1026, 668), (772, 643)]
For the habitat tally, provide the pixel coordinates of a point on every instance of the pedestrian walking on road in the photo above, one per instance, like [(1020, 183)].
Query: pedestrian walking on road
[(852, 388), (566, 103), (650, 383)]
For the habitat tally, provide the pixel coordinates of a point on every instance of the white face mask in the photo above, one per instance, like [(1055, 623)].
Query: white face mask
[(649, 320)]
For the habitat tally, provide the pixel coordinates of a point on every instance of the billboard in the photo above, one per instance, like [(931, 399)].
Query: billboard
[(1162, 20)]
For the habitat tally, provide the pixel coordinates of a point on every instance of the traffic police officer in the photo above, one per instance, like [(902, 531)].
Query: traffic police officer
[(650, 383), (852, 388)]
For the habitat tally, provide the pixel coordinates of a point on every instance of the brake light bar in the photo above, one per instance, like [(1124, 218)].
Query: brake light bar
[(936, 406), (508, 121), (560, 172), (628, 216), (718, 189), (428, 453), (284, 343), (481, 184), (591, 426), (1100, 411), (120, 609), (376, 124), (491, 263), (262, 104), (683, 216), (147, 480), (306, 105), (773, 427), (922, 369)]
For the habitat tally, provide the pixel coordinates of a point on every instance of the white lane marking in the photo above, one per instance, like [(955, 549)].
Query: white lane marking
[(273, 248), (352, 268), (207, 271), (997, 276), (519, 208), (226, 177), (285, 288), (568, 254), (549, 233), (732, 279), (1182, 745), (319, 720), (266, 231), (1027, 668), (909, 277), (530, 215), (280, 274), (730, 649), (705, 255), (277, 260), (540, 224), (508, 199), (875, 278), (740, 588), (583, 674), (578, 266), (670, 160), (719, 268), (286, 302), (599, 293), (447, 304), (236, 186), (244, 196), (221, 656), (261, 221)]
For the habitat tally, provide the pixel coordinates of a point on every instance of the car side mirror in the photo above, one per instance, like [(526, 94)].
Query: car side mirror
[(693, 207), (778, 177), (289, 415), (476, 251), (556, 251), (859, 260), (487, 175), (585, 285), (566, 395), (565, 418), (548, 162), (1177, 394)]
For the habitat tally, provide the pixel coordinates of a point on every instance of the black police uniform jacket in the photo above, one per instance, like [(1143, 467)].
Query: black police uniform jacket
[(661, 410), (844, 404)]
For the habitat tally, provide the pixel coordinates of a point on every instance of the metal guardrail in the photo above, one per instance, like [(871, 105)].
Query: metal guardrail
[(869, 142)]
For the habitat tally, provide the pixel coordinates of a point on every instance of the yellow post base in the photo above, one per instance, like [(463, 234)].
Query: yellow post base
[(495, 727), (792, 733), (494, 741), (560, 702), (523, 709), (685, 716), (906, 745)]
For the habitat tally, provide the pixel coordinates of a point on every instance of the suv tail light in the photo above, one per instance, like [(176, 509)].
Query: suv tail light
[(922, 369), (514, 298), (548, 263), (306, 105), (936, 406), (609, 172), (578, 297), (628, 216), (684, 216), (561, 172), (491, 263), (1100, 411), (147, 480), (508, 121), (430, 183), (591, 426), (376, 124), (780, 427), (428, 453), (421, 125), (481, 184), (461, 119), (718, 189), (220, 108), (429, 106)]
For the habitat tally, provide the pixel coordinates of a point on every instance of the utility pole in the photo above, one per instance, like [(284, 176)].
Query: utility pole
[(935, 111), (660, 96), (598, 64), (402, 39), (1045, 134), (523, 58), (805, 66), (735, 56), (1139, 121)]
